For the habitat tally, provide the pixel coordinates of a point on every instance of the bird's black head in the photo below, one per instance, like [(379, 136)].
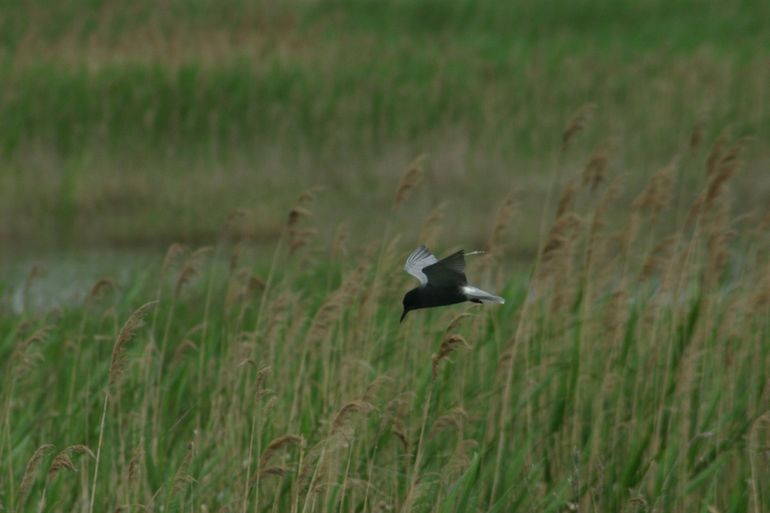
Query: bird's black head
[(411, 302)]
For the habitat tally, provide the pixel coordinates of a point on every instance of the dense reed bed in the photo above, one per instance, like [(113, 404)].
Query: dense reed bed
[(628, 370), (105, 109)]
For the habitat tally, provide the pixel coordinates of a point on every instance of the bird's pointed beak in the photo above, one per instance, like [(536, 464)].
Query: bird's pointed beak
[(403, 315)]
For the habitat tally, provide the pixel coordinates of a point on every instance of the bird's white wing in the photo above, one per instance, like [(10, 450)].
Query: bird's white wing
[(417, 261)]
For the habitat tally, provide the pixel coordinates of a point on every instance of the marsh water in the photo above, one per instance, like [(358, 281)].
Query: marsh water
[(45, 281)]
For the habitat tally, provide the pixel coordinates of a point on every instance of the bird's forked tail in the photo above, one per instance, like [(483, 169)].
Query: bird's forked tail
[(474, 293)]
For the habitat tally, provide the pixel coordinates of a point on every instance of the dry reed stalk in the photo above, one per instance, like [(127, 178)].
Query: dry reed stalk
[(136, 461), (658, 257), (182, 477), (431, 227), (126, 334), (696, 136), (411, 178), (235, 257), (566, 201), (716, 154), (395, 412), (728, 165), (558, 246), (447, 347), (329, 312), (417, 491), (501, 223), (191, 268), (299, 237), (595, 169), (29, 472), (242, 285), (600, 212), (656, 196), (760, 299), (232, 228), (718, 236), (576, 124), (617, 314), (25, 355), (339, 245), (174, 251)]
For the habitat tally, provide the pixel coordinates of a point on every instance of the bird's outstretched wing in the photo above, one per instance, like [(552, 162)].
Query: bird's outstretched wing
[(447, 271), (419, 260)]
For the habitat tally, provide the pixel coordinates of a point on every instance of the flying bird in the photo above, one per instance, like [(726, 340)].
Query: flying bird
[(442, 282)]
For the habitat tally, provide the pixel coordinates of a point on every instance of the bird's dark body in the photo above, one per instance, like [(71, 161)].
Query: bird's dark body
[(429, 296)]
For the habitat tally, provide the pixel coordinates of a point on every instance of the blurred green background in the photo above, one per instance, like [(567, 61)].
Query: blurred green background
[(139, 124)]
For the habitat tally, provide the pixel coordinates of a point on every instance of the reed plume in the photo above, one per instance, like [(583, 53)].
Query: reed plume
[(447, 347), (657, 194), (501, 222), (63, 460), (266, 468), (125, 336), (576, 123), (595, 169), (411, 178), (431, 227), (30, 470)]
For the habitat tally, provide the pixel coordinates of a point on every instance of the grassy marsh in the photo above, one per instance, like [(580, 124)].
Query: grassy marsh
[(609, 156)]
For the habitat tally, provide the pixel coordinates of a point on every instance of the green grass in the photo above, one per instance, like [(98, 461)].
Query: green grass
[(611, 380)]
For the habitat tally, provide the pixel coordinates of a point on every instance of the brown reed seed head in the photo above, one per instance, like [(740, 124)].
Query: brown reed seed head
[(100, 288), (558, 242), (657, 257), (343, 418), (716, 153), (173, 252), (729, 163), (457, 320), (602, 206), (63, 460), (502, 220), (276, 445), (656, 196), (25, 355), (454, 419), (126, 334), (232, 228), (447, 347), (411, 178), (431, 227), (30, 470), (595, 169), (134, 464), (576, 124), (460, 459), (567, 199), (299, 236), (696, 137)]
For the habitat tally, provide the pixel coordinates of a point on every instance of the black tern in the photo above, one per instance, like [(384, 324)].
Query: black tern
[(442, 282)]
